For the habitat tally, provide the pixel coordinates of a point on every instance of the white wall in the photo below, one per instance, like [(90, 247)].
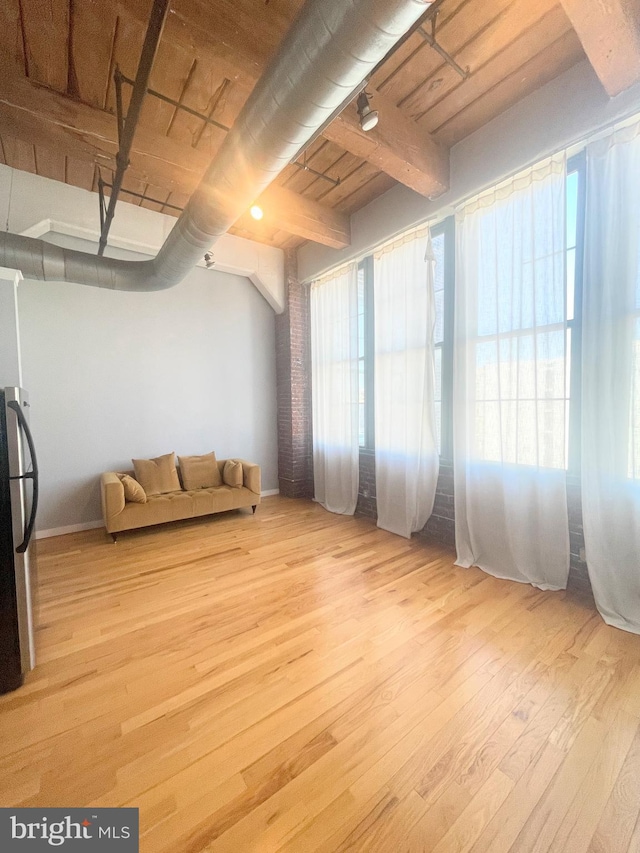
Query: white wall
[(114, 375), (553, 117)]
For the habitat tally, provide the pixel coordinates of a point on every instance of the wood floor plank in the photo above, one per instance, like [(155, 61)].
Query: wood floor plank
[(614, 831), (297, 681), (581, 820)]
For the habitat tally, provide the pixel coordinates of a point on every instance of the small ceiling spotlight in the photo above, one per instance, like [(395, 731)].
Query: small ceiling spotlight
[(368, 117), (256, 211)]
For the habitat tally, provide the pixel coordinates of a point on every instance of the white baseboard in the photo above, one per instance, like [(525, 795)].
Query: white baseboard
[(91, 525), (70, 528)]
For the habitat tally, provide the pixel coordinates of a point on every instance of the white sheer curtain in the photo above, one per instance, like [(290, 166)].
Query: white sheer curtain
[(510, 380), (405, 432), (334, 376), (611, 377)]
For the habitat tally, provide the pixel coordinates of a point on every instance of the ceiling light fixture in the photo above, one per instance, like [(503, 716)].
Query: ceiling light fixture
[(256, 211), (368, 117)]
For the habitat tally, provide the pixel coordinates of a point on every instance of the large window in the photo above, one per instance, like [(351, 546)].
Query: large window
[(517, 275), (444, 252), (528, 376), (558, 381)]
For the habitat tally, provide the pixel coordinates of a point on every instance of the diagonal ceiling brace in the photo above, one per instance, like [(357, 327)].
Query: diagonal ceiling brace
[(127, 127), (430, 39)]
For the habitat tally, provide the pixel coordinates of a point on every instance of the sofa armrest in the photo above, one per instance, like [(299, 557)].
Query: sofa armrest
[(112, 493), (251, 476)]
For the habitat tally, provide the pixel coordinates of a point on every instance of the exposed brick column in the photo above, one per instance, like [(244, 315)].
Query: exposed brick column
[(441, 525), (293, 372)]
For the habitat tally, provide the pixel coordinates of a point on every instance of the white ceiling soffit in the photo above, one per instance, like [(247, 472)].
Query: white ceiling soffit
[(263, 265)]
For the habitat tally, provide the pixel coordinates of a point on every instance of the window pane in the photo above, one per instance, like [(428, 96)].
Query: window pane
[(361, 405), (438, 367), (634, 432), (437, 243), (362, 430), (571, 282), (438, 396), (567, 392), (438, 286), (438, 334), (572, 236), (572, 209), (521, 399)]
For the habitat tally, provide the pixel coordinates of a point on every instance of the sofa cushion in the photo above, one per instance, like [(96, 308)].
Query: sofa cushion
[(200, 472), (133, 491), (232, 473), (157, 476)]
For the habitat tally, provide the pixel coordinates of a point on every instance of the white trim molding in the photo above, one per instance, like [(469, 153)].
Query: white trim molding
[(92, 525), (70, 528)]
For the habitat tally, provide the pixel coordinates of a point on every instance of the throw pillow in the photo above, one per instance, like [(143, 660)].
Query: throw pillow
[(232, 473), (133, 491), (157, 476), (200, 472)]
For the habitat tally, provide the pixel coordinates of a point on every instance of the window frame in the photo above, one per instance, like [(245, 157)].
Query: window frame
[(366, 266), (577, 163), (447, 228)]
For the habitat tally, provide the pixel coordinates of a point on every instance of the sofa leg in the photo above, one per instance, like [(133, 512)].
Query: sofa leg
[(254, 507), (114, 536)]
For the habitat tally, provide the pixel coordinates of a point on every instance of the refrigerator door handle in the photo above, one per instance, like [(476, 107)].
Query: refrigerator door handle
[(32, 475)]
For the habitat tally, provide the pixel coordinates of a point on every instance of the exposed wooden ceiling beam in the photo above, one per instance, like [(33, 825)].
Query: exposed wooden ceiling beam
[(610, 34), (47, 118), (397, 146), (307, 218)]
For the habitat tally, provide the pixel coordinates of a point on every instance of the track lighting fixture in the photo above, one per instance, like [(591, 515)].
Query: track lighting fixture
[(368, 117)]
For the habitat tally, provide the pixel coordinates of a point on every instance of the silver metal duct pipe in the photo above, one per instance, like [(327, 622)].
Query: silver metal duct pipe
[(330, 49)]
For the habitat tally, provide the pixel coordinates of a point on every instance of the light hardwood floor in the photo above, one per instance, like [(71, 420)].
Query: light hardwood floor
[(299, 681)]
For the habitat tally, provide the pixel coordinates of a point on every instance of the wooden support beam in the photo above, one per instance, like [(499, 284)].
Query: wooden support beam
[(610, 34), (310, 219), (396, 146), (59, 123)]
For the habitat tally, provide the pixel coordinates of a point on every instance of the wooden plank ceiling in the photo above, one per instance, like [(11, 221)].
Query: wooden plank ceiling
[(57, 98)]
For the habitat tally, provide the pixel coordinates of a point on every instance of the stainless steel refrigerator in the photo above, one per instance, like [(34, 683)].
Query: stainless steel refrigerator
[(18, 507)]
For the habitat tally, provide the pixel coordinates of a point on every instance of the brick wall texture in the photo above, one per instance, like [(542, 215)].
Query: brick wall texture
[(293, 378)]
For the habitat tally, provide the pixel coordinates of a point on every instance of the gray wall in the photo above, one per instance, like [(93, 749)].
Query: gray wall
[(555, 116), (116, 375)]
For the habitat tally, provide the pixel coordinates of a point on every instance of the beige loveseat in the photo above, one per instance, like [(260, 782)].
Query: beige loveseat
[(120, 514)]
